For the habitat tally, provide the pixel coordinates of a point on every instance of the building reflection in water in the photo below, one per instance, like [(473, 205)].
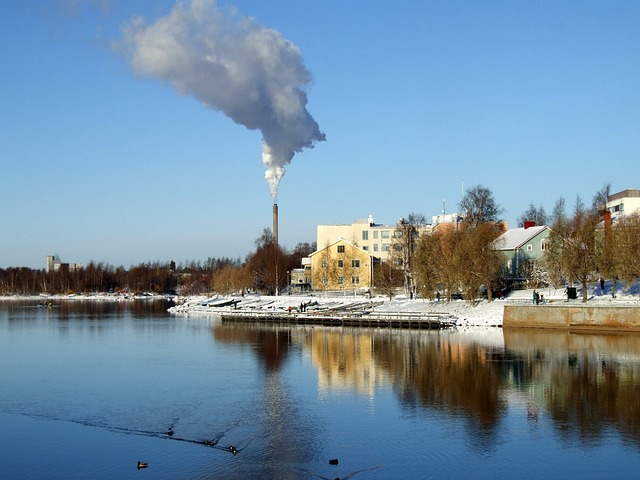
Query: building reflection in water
[(585, 384)]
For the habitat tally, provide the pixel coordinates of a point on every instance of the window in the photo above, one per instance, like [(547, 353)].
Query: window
[(355, 263), (324, 280), (385, 247), (375, 247), (529, 248), (375, 234), (544, 244), (617, 208), (340, 263), (340, 248), (365, 235), (384, 234), (324, 263), (397, 234), (365, 248), (397, 247), (341, 280), (355, 280)]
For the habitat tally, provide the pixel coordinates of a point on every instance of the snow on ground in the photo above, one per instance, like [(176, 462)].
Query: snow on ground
[(477, 314)]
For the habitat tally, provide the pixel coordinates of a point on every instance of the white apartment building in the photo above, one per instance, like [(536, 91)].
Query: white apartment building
[(624, 202), (374, 238)]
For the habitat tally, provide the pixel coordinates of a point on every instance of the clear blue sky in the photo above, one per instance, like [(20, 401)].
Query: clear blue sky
[(534, 100)]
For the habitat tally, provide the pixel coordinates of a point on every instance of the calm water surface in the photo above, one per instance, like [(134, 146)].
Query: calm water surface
[(87, 389)]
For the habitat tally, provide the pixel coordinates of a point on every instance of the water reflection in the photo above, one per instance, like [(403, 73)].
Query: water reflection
[(455, 403), (586, 384), (288, 434), (271, 346)]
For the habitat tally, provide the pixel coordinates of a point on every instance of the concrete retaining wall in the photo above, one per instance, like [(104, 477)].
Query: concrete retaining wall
[(575, 317)]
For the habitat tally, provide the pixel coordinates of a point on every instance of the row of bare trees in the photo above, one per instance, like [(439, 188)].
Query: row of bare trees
[(463, 260), (266, 269), (452, 258), (582, 247), (586, 246)]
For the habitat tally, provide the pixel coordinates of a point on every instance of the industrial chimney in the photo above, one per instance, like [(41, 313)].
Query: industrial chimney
[(275, 223)]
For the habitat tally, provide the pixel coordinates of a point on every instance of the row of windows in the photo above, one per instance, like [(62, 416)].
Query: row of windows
[(355, 280), (376, 247), (385, 247), (384, 234), (355, 263)]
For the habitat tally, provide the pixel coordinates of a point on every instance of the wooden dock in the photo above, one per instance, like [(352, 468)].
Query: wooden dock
[(424, 321)]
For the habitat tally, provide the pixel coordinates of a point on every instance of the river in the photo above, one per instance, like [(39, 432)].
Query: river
[(89, 388)]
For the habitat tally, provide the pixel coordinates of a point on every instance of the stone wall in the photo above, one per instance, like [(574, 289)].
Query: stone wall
[(575, 317)]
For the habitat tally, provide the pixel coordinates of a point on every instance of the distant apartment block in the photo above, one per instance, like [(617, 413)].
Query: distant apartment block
[(54, 264), (625, 202), (374, 238)]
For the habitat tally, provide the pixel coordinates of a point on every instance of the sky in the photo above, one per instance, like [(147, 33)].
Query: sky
[(122, 142)]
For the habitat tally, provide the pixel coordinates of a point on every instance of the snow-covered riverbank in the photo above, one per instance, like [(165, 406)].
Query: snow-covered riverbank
[(479, 313)]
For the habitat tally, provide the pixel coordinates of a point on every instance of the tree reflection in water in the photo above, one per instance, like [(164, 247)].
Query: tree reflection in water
[(585, 383)]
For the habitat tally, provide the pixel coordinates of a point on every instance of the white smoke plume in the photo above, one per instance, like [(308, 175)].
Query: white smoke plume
[(232, 64)]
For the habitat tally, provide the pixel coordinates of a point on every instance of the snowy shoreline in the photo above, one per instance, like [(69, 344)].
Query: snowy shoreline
[(481, 313)]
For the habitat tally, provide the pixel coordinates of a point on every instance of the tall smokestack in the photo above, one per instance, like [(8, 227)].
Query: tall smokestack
[(275, 223)]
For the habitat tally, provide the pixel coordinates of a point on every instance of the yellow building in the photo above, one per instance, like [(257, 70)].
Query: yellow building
[(341, 266)]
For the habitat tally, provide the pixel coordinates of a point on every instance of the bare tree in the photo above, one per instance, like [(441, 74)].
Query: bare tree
[(533, 214), (559, 213), (626, 243), (388, 278), (478, 262), (478, 206), (404, 246), (574, 248), (268, 264), (600, 199), (426, 268), (438, 265), (223, 280)]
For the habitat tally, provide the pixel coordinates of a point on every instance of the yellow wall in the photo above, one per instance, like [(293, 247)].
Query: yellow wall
[(333, 271)]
